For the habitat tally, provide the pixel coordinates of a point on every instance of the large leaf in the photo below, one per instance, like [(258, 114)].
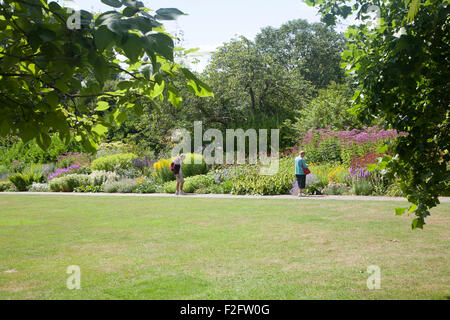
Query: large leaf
[(132, 47), (113, 3), (103, 37), (168, 14), (159, 43)]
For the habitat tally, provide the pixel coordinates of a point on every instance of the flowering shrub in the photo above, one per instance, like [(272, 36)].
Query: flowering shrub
[(324, 145), (97, 178), (145, 185), (61, 172), (39, 187), (72, 158), (162, 171)]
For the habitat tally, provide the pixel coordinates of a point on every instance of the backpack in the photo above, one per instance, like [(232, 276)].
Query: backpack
[(172, 166)]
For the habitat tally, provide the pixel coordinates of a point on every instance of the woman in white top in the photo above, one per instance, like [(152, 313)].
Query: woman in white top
[(179, 174)]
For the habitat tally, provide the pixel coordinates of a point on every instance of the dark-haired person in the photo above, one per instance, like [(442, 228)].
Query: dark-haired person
[(178, 162)]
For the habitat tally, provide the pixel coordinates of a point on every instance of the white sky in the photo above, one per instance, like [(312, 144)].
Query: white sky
[(209, 23)]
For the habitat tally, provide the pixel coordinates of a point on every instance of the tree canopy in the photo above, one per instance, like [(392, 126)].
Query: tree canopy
[(54, 64)]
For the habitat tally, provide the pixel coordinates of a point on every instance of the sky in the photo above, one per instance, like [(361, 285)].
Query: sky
[(209, 23)]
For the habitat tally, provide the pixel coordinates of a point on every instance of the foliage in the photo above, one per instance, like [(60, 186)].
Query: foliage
[(13, 149), (39, 187), (328, 110), (32, 173), (325, 145), (89, 189), (97, 178), (362, 187), (335, 188), (190, 166), (5, 186), (55, 64), (114, 162), (191, 184), (312, 50), (246, 179), (145, 185), (162, 171), (401, 70), (115, 147), (64, 171), (125, 185), (73, 158), (69, 182)]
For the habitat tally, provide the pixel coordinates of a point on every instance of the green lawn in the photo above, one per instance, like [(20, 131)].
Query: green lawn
[(192, 248)]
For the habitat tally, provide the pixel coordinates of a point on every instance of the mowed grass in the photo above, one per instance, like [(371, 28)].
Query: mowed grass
[(192, 248)]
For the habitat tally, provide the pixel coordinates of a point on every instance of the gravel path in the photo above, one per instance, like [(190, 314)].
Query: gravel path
[(224, 196)]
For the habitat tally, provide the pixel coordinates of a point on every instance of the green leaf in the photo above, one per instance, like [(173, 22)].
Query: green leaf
[(100, 129), (133, 3), (129, 12), (103, 37), (168, 14), (113, 3), (371, 167), (102, 106), (400, 211), (174, 98), (120, 117), (52, 99), (383, 149), (43, 140), (159, 43), (157, 90), (418, 223), (412, 208), (132, 47)]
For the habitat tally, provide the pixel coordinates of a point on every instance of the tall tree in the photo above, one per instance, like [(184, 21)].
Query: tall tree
[(312, 50)]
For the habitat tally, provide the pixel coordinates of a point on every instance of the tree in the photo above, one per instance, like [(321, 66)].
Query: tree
[(401, 68), (312, 50), (54, 64), (328, 110)]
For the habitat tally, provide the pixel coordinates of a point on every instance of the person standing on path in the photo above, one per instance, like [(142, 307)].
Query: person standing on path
[(300, 173), (178, 162)]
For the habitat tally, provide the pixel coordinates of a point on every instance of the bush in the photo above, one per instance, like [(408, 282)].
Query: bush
[(13, 148), (69, 183), (114, 162), (4, 172), (97, 178), (190, 168), (362, 187), (64, 171), (169, 187), (247, 179), (33, 173), (145, 185), (335, 189), (5, 186), (89, 189), (73, 158), (122, 186), (162, 171), (39, 187), (394, 190)]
